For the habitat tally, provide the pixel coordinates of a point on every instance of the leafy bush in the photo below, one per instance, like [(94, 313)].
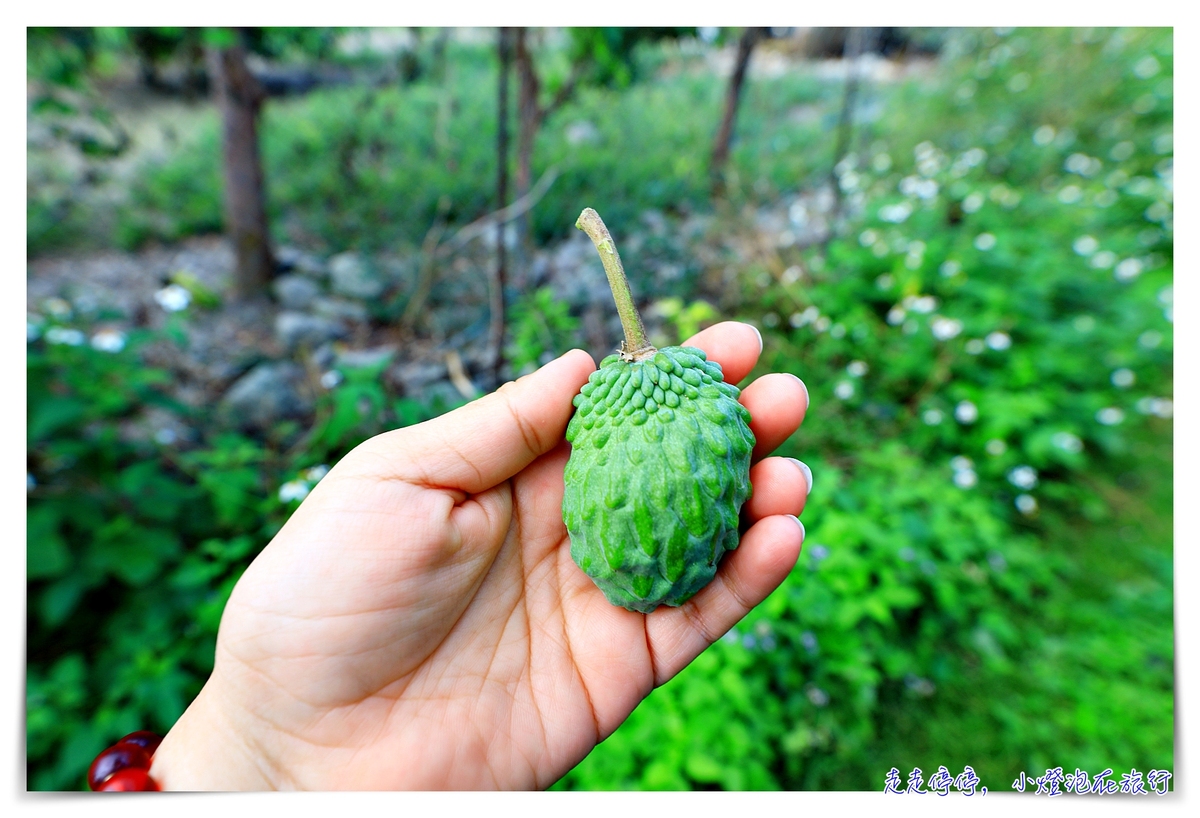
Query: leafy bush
[(987, 347), (136, 534)]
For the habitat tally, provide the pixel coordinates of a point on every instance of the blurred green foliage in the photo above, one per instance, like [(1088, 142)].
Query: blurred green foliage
[(987, 575)]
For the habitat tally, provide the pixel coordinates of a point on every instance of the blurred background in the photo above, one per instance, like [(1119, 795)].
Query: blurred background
[(249, 250)]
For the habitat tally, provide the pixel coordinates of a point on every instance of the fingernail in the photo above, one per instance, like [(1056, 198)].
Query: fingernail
[(760, 340), (797, 519), (805, 388), (807, 472)]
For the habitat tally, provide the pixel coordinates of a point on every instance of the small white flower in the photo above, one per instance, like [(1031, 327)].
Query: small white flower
[(932, 417), (881, 163), (856, 369), (868, 237), (173, 298), (961, 463), (1146, 67), (1166, 296), (966, 412), (974, 346), (64, 335), (293, 490), (896, 315), (895, 213), (945, 328), (108, 340), (1023, 477), (998, 341), (1104, 259), (1070, 194), (950, 268), (1148, 339), (922, 304), (1163, 407), (926, 189), (1123, 378), (973, 202), (1110, 416), (1085, 245), (821, 324), (1067, 442), (1122, 151), (331, 379), (965, 478), (315, 474), (1128, 269), (1025, 504), (985, 242), (817, 696), (1082, 164), (884, 282), (844, 390), (1043, 135), (1019, 82), (996, 447), (58, 307)]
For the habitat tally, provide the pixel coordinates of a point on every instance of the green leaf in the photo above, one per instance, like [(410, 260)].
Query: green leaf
[(46, 552)]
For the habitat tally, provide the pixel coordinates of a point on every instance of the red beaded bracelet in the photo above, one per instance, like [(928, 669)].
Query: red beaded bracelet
[(125, 766)]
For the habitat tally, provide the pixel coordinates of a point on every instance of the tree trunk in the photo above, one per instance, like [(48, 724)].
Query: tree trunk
[(529, 118), (497, 325), (733, 95), (240, 97), (858, 42)]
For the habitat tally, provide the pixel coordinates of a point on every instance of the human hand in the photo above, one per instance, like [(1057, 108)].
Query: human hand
[(418, 623)]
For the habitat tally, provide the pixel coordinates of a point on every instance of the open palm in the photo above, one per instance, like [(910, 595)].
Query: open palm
[(418, 622)]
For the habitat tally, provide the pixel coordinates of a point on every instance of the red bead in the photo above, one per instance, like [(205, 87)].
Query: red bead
[(130, 779), (144, 739), (115, 758)]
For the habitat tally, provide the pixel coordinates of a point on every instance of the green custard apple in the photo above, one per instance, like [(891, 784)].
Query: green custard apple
[(659, 466)]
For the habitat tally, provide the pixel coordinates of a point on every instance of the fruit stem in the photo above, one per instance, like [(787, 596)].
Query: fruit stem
[(636, 347)]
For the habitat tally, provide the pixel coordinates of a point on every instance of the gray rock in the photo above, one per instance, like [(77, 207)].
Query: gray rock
[(364, 358), (294, 329), (324, 356), (305, 264), (353, 277), (295, 292), (266, 394), (339, 309), (413, 376)]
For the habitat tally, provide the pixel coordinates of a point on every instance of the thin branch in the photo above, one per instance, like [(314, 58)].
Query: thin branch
[(481, 225)]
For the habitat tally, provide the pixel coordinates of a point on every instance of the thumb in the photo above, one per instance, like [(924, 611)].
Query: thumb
[(490, 439)]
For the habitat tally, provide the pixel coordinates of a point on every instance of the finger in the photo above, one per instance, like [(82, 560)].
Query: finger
[(767, 553), (777, 405), (781, 486), (732, 344), (489, 440)]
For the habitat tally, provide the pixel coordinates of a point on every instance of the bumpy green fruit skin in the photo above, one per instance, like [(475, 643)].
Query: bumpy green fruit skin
[(658, 472)]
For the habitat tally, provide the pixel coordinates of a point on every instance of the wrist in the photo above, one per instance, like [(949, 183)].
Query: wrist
[(209, 750)]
